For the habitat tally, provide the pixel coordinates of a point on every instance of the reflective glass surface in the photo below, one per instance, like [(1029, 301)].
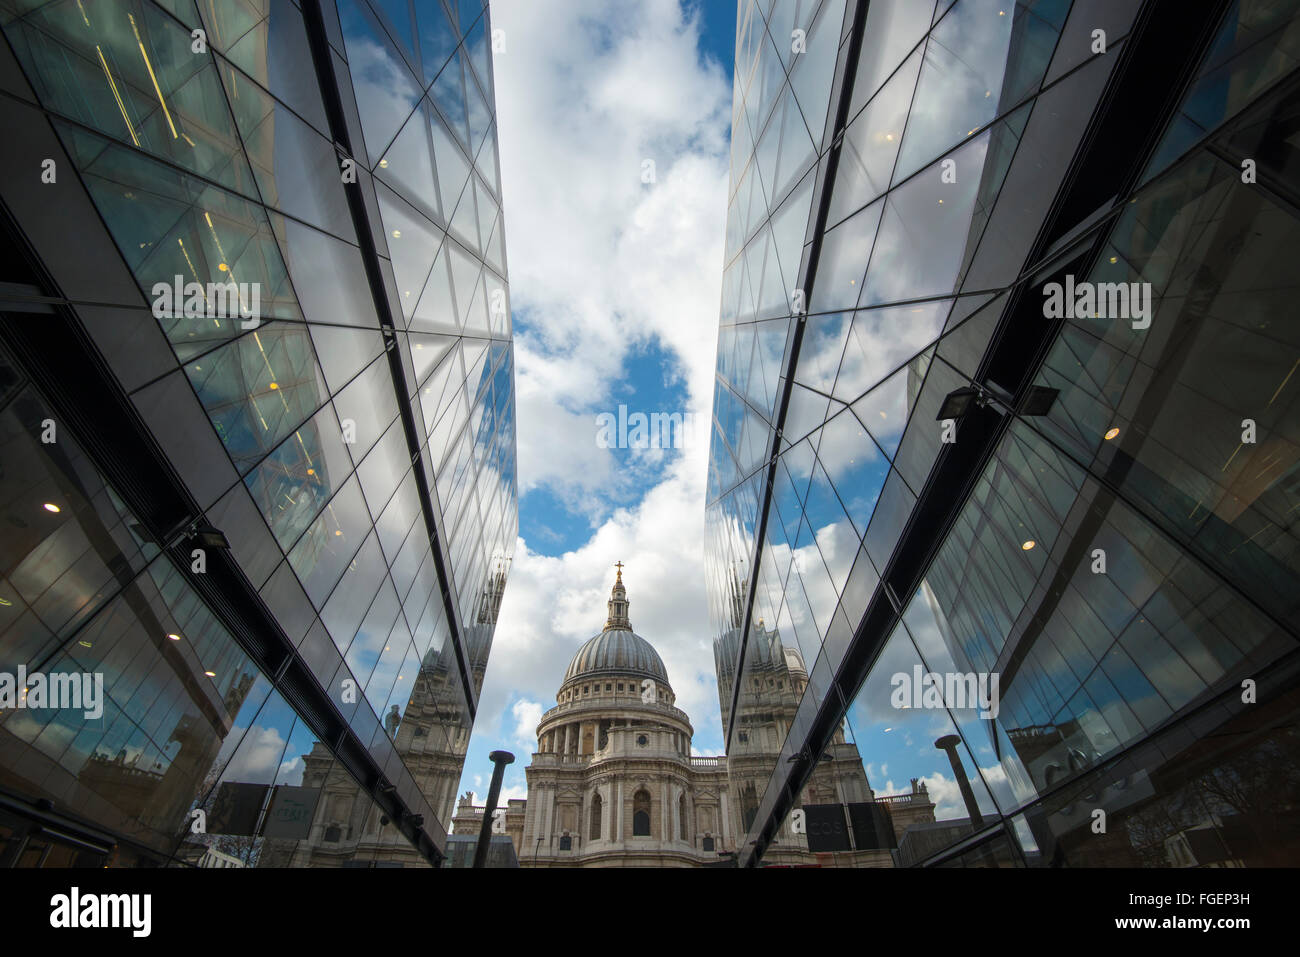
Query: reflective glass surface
[(1122, 559), (329, 427)]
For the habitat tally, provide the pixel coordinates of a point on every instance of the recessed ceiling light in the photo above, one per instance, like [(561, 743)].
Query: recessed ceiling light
[(1112, 433), (383, 164), (397, 234), (210, 674), (1028, 545), (51, 507), (174, 637)]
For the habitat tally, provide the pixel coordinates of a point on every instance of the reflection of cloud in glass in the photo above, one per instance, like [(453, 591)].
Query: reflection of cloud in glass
[(385, 90), (258, 755)]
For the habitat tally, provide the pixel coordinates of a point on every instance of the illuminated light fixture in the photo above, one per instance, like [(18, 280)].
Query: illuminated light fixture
[(223, 267), (5, 602), (51, 507), (888, 730), (174, 637), (338, 531), (383, 164), (889, 137), (1114, 259), (397, 234), (210, 674), (1026, 546), (1112, 433), (84, 644), (311, 471), (883, 416), (117, 96), (274, 385), (156, 88)]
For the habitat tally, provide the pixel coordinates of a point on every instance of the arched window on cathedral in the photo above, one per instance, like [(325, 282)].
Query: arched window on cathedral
[(681, 817), (748, 804), (597, 806), (641, 813)]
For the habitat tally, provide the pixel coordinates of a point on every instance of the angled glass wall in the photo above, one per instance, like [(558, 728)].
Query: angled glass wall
[(1109, 527), (347, 422)]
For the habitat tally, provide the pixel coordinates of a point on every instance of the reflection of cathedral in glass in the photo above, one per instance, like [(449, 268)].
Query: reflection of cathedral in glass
[(281, 538), (919, 467), (769, 693)]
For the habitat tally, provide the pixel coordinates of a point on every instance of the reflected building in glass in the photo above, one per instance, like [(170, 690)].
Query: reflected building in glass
[(273, 513), (1006, 389)]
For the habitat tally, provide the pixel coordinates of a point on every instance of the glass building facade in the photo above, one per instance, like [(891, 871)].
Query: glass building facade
[(922, 466), (277, 531)]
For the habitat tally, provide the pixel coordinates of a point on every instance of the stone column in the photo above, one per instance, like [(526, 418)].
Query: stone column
[(618, 806), (566, 739), (665, 819)]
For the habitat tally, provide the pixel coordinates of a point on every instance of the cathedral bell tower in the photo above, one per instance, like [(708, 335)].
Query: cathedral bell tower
[(618, 603)]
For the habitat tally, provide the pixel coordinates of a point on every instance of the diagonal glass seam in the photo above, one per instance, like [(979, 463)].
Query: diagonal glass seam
[(319, 43), (280, 104), (426, 93)]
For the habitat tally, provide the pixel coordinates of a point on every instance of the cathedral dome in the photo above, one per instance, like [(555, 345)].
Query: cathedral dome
[(617, 649)]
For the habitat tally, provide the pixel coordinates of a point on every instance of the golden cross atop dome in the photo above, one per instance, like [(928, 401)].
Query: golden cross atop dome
[(619, 566)]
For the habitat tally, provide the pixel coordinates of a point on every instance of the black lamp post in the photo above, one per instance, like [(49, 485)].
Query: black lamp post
[(500, 759)]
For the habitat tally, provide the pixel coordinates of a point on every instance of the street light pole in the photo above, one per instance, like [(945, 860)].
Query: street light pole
[(500, 759)]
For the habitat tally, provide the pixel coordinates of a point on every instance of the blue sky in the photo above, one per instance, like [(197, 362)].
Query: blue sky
[(615, 285)]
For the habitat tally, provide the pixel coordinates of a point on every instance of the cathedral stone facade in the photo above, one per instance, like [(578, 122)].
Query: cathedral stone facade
[(614, 784)]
